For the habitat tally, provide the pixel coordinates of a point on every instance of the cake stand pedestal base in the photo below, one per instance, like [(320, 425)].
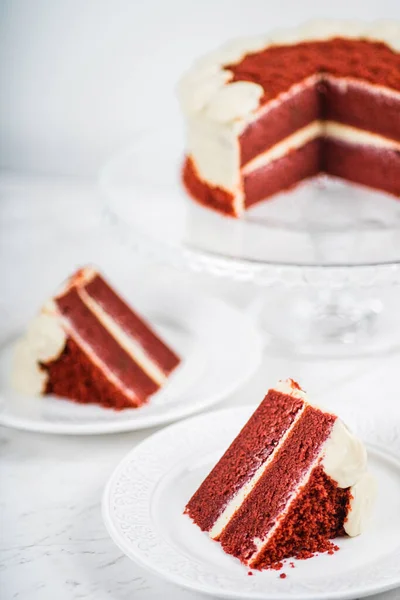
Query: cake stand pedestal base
[(328, 323)]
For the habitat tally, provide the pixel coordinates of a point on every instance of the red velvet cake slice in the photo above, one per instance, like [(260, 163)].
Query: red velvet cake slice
[(88, 345), (293, 479)]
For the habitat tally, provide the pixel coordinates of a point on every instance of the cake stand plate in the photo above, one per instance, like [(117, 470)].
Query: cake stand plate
[(329, 246), (144, 500), (219, 347)]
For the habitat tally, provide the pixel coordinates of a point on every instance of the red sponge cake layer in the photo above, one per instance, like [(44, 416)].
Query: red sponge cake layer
[(377, 168), (212, 197), (73, 375), (116, 307), (322, 98), (364, 107), (297, 108), (103, 348), (283, 173), (269, 498), (312, 521), (248, 451)]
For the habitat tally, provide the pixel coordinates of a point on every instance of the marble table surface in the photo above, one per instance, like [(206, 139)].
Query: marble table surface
[(53, 543)]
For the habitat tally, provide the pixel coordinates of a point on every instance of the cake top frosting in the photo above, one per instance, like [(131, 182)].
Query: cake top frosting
[(228, 84)]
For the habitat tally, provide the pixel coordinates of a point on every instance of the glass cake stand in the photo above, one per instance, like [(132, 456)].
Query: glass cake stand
[(323, 259)]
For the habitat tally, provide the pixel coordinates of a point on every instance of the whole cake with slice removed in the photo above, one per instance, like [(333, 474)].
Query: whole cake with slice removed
[(293, 479), (264, 113), (87, 344)]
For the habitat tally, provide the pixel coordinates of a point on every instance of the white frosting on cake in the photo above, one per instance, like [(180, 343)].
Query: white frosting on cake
[(294, 90), (292, 142), (236, 502), (207, 83), (96, 360), (44, 341), (81, 277), (343, 458), (290, 387), (215, 149), (234, 101), (363, 494), (352, 135), (125, 341), (316, 129)]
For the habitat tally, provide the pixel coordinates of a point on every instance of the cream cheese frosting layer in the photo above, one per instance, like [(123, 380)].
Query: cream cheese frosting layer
[(352, 135), (238, 499), (291, 388), (298, 139), (44, 341), (128, 343), (363, 496), (344, 456), (317, 129), (85, 347)]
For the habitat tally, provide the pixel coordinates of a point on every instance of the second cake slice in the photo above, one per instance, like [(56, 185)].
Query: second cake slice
[(89, 345)]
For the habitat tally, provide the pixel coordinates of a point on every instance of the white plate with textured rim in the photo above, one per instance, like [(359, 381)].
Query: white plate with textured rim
[(219, 346), (144, 499)]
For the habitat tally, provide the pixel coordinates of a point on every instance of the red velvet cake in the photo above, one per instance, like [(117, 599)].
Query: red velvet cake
[(293, 479), (263, 114), (88, 345)]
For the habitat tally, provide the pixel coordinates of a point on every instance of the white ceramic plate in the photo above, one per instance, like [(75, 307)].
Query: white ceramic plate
[(145, 497), (220, 348)]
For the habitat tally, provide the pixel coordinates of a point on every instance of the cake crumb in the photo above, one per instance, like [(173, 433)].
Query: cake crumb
[(305, 554), (283, 576), (291, 565)]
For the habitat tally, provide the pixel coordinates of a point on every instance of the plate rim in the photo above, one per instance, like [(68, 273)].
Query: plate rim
[(207, 589), (174, 414)]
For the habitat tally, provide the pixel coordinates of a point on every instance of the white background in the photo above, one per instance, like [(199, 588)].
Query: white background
[(79, 77)]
